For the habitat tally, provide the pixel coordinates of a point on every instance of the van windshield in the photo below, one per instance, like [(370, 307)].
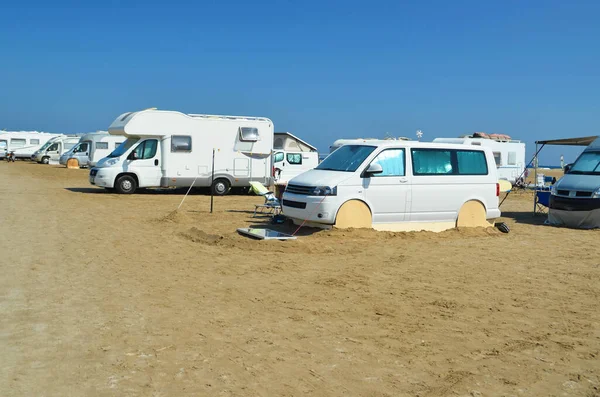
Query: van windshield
[(124, 147), (346, 159), (3, 144), (587, 164), (47, 145)]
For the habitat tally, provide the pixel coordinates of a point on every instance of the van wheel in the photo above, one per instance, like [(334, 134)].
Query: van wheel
[(472, 214), (221, 187), (355, 214), (45, 160), (125, 185)]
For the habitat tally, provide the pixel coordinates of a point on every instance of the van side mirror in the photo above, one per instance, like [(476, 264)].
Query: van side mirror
[(374, 168), (568, 168), (132, 156)]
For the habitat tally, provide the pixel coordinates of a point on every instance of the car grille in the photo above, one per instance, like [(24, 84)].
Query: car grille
[(570, 193), (583, 194), (563, 192), (294, 204), (93, 172), (299, 189)]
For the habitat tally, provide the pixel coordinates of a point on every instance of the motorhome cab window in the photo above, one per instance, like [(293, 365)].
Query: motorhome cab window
[(101, 145), (587, 164), (118, 152), (392, 162), (248, 134), (512, 158), (181, 143), (498, 158), (294, 158), (18, 142), (34, 141), (346, 159), (278, 157), (83, 147), (146, 149), (448, 162), (53, 147)]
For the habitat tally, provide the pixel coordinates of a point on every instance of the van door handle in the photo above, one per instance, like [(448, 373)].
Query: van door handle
[(403, 180), (155, 161)]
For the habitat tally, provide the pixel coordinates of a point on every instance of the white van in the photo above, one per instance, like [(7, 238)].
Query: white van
[(54, 148), (23, 144), (398, 186), (172, 149), (92, 148), (292, 156)]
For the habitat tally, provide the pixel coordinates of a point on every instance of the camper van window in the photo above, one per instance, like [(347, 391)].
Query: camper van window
[(432, 162), (53, 147), (18, 142), (346, 159), (278, 157), (587, 164), (498, 158), (294, 158), (124, 147), (81, 148), (392, 162), (248, 134), (512, 158), (471, 162), (146, 149), (34, 141), (101, 145), (181, 143)]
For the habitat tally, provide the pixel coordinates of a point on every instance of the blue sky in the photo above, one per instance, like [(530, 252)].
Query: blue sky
[(320, 69)]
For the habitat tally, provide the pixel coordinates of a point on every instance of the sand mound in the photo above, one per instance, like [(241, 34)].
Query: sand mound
[(173, 217), (198, 236)]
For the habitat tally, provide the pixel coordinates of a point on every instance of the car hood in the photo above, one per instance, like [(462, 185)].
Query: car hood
[(587, 183), (320, 178)]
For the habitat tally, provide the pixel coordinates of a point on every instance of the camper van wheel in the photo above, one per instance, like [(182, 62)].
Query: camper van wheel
[(126, 185), (45, 160), (221, 187)]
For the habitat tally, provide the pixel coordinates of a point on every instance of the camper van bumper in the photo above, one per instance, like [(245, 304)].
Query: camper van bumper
[(314, 209), (574, 204), (103, 177)]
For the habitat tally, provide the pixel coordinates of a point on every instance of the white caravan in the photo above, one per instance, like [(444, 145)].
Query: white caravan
[(23, 144), (92, 148), (172, 149), (292, 156), (509, 154), (397, 186), (54, 148)]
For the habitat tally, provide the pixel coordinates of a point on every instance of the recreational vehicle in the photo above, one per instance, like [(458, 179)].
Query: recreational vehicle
[(397, 186), (575, 198), (22, 144), (292, 156), (54, 148), (509, 154), (172, 149), (92, 148)]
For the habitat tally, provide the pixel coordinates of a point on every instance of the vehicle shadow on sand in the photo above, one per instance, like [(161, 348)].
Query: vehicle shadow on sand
[(176, 192), (527, 218)]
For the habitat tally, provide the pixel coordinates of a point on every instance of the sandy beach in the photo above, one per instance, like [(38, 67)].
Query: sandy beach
[(106, 295)]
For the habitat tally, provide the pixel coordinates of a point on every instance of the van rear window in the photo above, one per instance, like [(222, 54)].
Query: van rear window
[(448, 162)]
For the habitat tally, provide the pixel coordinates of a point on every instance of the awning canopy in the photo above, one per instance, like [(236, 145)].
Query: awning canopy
[(584, 141)]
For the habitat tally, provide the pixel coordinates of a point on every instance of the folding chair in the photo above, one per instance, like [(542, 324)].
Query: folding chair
[(542, 201), (271, 206)]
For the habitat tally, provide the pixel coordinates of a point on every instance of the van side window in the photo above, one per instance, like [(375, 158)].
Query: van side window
[(181, 143), (498, 158), (34, 141), (512, 158), (278, 157), (82, 148), (53, 147), (146, 149), (294, 158), (248, 134), (432, 162), (471, 162), (14, 142), (392, 162), (101, 145)]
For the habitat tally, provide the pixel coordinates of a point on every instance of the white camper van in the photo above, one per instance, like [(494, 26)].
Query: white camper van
[(292, 156), (54, 148), (398, 186), (509, 154), (172, 149), (22, 144), (92, 148)]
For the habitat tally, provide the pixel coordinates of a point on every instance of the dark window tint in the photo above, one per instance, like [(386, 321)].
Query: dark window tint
[(248, 134), (181, 143)]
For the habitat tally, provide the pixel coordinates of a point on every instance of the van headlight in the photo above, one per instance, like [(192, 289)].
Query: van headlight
[(596, 194), (553, 190), (112, 161), (324, 191)]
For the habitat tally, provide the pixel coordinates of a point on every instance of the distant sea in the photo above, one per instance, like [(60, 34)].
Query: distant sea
[(552, 167)]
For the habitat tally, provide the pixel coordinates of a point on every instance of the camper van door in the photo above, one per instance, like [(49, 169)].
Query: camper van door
[(144, 161)]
